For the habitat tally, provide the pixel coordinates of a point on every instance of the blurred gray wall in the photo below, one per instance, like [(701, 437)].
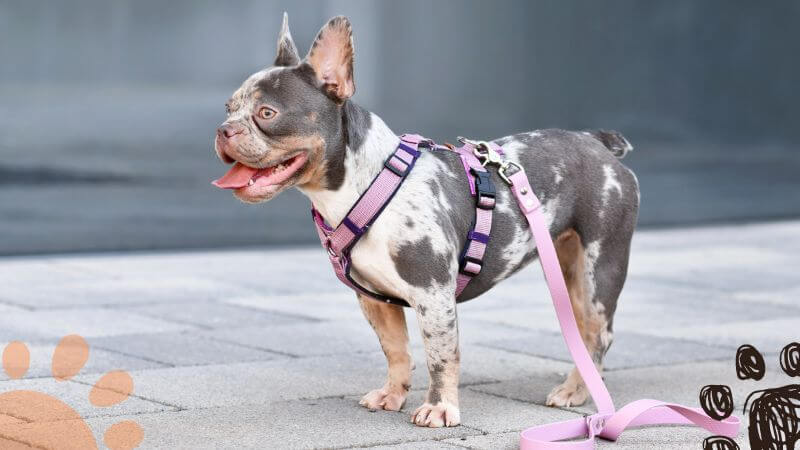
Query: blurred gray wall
[(108, 107)]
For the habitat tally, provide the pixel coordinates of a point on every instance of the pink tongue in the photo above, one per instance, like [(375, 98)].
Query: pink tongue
[(239, 176)]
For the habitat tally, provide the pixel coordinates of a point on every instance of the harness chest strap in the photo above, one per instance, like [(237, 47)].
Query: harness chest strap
[(339, 241), (607, 423)]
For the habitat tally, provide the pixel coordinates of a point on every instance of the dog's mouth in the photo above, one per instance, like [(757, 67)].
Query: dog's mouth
[(245, 179)]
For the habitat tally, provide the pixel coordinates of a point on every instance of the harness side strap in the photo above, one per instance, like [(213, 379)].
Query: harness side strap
[(482, 188)]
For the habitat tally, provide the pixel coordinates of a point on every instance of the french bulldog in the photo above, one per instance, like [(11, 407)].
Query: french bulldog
[(294, 124)]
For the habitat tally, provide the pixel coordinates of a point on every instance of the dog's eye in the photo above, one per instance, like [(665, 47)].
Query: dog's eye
[(266, 113)]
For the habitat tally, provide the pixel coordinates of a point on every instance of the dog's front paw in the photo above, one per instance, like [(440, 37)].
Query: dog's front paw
[(568, 394), (383, 399), (442, 414)]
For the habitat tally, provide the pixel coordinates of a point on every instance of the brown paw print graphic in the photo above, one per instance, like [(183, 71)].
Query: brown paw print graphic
[(774, 414), (30, 419)]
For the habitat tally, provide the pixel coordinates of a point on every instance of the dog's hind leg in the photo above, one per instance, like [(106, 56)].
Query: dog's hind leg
[(389, 323), (594, 282)]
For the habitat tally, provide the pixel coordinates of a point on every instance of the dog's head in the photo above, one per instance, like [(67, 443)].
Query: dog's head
[(282, 121)]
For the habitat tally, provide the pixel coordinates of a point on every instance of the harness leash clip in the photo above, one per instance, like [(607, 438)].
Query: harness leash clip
[(488, 155), (504, 166)]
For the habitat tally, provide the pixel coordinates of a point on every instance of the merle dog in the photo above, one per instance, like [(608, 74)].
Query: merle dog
[(293, 124)]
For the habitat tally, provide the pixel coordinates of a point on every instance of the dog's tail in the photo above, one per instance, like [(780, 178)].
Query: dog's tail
[(614, 142)]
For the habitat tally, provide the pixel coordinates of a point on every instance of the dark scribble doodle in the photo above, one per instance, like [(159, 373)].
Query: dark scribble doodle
[(717, 401), (719, 443), (749, 363), (790, 359), (774, 413), (774, 418)]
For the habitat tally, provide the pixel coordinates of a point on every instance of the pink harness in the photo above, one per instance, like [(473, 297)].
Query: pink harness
[(608, 422)]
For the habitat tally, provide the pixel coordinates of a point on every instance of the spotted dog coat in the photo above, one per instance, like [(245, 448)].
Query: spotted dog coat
[(589, 200)]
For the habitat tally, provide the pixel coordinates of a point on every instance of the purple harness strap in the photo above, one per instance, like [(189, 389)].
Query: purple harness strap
[(608, 422), (482, 188)]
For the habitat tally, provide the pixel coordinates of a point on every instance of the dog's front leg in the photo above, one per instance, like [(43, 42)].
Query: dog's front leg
[(389, 323), (439, 326)]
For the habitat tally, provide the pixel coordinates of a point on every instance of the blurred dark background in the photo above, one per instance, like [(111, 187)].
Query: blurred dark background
[(108, 107)]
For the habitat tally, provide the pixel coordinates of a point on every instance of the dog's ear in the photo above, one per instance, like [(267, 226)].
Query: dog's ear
[(287, 51), (331, 57)]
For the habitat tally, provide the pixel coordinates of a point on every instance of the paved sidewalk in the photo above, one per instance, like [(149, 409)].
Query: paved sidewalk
[(265, 349)]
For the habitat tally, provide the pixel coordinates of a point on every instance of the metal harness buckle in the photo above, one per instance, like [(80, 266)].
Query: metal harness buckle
[(488, 156)]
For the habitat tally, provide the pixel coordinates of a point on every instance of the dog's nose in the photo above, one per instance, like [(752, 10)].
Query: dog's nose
[(226, 130)]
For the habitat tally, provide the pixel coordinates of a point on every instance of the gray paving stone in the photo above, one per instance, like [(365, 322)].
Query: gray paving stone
[(525, 289), (76, 395), (531, 388), (492, 441), (10, 308), (269, 271), (330, 306), (679, 438), (424, 445), (676, 383), (481, 363), (87, 322), (309, 339), (99, 360), (181, 349), (321, 423), (690, 304), (766, 335), (349, 336), (119, 290), (672, 437), (214, 315), (628, 350), (692, 297), (700, 256), (506, 414), (30, 271), (218, 265), (731, 281), (784, 297), (528, 314), (287, 379), (330, 422), (265, 382)]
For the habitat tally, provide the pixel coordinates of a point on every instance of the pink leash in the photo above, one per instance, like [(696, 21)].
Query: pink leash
[(607, 423)]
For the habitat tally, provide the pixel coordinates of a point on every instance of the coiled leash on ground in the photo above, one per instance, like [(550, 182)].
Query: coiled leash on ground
[(608, 423)]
